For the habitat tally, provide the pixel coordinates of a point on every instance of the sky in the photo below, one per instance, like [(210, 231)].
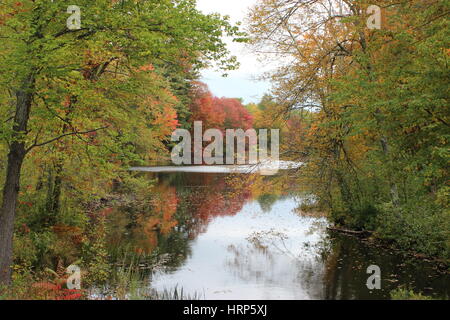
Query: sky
[(240, 83)]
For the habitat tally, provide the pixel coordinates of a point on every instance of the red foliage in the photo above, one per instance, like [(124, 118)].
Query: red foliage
[(236, 116), (24, 229), (74, 234), (203, 108), (52, 291), (218, 113), (219, 200)]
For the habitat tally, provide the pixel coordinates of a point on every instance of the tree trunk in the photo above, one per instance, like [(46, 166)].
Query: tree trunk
[(54, 194), (17, 152), (8, 210), (57, 191), (394, 190)]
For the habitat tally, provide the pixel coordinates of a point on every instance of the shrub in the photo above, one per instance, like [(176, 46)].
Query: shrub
[(404, 294), (422, 229)]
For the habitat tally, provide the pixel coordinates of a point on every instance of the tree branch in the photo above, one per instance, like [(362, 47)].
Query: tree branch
[(35, 144)]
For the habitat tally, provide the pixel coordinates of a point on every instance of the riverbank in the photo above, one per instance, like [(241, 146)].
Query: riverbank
[(371, 238), (235, 234)]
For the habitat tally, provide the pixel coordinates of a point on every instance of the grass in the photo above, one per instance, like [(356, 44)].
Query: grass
[(129, 282), (405, 294)]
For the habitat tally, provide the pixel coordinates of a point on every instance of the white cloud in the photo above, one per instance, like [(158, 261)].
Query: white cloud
[(239, 83)]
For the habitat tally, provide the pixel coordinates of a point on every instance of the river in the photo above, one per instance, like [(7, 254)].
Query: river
[(222, 235)]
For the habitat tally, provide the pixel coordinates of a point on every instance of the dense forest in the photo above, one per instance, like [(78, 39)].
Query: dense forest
[(365, 110), (375, 139)]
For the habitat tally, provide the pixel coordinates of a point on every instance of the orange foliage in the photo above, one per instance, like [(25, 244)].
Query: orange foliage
[(218, 113)]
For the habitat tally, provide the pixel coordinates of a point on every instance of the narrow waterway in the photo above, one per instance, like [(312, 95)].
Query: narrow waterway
[(244, 236)]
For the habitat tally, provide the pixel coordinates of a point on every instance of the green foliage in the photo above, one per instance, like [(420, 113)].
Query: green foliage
[(404, 294), (421, 228), (377, 149), (95, 255), (104, 97)]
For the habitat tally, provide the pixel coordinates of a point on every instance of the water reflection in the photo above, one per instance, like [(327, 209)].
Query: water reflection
[(346, 261), (232, 236), (226, 263)]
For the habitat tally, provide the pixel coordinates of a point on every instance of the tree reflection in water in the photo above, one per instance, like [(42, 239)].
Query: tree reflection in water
[(244, 237)]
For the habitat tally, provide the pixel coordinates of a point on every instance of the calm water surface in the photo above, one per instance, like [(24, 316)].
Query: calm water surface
[(242, 236)]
